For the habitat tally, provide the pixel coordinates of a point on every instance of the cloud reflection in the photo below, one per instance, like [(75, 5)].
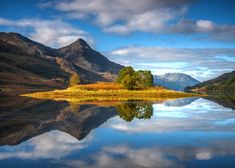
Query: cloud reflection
[(200, 115), (154, 157), (50, 145)]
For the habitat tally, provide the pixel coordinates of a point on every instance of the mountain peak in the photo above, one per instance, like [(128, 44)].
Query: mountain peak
[(81, 41), (78, 44), (178, 76), (175, 74)]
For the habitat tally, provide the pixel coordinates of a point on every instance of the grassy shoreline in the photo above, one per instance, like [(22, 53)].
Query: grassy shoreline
[(109, 92)]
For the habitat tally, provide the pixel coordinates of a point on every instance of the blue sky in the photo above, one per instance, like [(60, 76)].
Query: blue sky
[(196, 37)]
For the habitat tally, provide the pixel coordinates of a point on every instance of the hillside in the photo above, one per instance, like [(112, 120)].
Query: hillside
[(28, 65), (222, 84), (22, 72), (175, 81)]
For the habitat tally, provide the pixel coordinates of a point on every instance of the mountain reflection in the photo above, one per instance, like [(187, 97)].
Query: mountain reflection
[(180, 102), (24, 118), (224, 100)]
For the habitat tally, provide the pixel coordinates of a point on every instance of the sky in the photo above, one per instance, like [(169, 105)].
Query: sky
[(196, 37)]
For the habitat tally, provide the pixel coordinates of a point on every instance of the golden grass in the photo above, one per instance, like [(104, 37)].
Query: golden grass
[(99, 86), (109, 92)]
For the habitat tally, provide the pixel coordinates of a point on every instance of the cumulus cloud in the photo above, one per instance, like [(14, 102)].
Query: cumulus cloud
[(106, 12), (155, 16), (203, 64), (151, 21), (54, 33)]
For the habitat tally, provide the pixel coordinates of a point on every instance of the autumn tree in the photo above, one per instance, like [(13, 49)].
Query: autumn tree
[(74, 80)]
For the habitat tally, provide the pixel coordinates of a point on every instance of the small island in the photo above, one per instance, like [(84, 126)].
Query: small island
[(129, 85)]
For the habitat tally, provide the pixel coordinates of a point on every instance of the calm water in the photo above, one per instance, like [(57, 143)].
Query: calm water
[(191, 132)]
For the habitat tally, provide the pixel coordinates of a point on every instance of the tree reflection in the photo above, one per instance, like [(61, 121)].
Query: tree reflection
[(130, 110)]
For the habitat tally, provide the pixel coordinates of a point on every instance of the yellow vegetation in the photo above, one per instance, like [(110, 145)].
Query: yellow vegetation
[(99, 86), (109, 92)]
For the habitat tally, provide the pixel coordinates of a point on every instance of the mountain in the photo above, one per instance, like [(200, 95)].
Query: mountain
[(82, 55), (175, 81), (28, 65), (23, 72), (224, 83)]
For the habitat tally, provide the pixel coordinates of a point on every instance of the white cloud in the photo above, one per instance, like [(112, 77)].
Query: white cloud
[(205, 25), (106, 12), (151, 21), (54, 33), (155, 16), (200, 63), (5, 21)]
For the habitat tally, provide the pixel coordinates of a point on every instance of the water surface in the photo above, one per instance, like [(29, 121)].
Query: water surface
[(189, 132)]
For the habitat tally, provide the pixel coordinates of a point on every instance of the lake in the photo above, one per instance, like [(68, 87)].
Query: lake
[(181, 133)]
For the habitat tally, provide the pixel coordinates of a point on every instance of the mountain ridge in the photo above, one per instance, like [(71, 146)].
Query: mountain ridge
[(224, 83), (175, 81)]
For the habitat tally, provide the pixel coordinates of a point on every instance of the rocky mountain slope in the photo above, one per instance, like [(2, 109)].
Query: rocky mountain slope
[(28, 65)]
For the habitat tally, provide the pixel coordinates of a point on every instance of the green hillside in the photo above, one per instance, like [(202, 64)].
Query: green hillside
[(222, 84)]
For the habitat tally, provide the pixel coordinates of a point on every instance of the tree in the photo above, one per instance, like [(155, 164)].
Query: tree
[(128, 82), (124, 72), (74, 80), (148, 78), (143, 79), (131, 79)]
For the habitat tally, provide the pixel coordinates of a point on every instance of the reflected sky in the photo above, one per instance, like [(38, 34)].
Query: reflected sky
[(199, 115), (181, 133)]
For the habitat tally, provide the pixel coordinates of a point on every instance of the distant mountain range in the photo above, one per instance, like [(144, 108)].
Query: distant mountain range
[(222, 84), (26, 64), (175, 81)]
